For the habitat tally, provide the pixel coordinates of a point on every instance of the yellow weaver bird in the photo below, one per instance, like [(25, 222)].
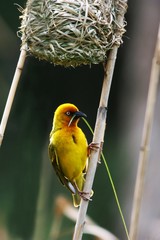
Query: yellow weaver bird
[(68, 150)]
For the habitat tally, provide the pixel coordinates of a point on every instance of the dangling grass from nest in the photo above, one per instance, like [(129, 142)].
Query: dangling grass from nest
[(112, 184), (69, 32)]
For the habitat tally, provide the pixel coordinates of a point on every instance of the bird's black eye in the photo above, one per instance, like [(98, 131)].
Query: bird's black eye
[(68, 113)]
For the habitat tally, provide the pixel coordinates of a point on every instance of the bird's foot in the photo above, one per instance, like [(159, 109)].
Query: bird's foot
[(95, 147), (86, 196)]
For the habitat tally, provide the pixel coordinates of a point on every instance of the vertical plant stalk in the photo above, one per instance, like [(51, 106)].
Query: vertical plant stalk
[(42, 220), (99, 130), (12, 92), (145, 142)]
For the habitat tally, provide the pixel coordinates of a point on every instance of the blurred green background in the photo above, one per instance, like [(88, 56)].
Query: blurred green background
[(28, 185)]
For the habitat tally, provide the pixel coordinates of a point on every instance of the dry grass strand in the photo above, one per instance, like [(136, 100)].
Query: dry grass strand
[(71, 33)]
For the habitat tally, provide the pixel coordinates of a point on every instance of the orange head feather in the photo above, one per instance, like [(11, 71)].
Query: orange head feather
[(66, 114)]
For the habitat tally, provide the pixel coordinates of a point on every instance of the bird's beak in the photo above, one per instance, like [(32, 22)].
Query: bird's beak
[(77, 115)]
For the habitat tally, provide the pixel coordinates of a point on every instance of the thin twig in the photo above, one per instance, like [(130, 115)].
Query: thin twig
[(98, 132), (145, 142), (12, 92)]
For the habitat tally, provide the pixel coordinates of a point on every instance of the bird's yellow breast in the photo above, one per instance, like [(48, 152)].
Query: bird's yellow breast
[(71, 148)]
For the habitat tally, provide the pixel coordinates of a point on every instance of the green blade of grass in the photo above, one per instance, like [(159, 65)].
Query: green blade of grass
[(112, 184)]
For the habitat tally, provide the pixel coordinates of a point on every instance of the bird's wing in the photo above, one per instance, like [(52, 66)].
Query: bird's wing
[(55, 163)]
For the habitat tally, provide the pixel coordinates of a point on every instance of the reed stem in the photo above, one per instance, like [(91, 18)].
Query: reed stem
[(12, 92), (145, 142), (99, 130)]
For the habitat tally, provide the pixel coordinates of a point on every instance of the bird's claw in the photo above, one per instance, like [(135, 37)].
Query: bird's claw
[(95, 147), (85, 196)]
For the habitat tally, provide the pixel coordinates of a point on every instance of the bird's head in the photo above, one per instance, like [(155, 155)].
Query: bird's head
[(67, 114)]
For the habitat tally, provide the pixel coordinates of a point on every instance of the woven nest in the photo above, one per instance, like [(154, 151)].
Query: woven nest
[(71, 32)]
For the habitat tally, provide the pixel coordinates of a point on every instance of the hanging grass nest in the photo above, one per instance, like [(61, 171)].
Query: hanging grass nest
[(71, 32)]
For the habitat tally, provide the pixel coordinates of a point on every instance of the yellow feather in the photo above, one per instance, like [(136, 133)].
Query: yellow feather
[(68, 149)]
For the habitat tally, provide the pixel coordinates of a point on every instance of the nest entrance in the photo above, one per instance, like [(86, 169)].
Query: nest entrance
[(71, 32)]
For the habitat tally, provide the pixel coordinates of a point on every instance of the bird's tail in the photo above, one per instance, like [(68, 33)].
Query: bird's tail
[(78, 184), (76, 200)]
